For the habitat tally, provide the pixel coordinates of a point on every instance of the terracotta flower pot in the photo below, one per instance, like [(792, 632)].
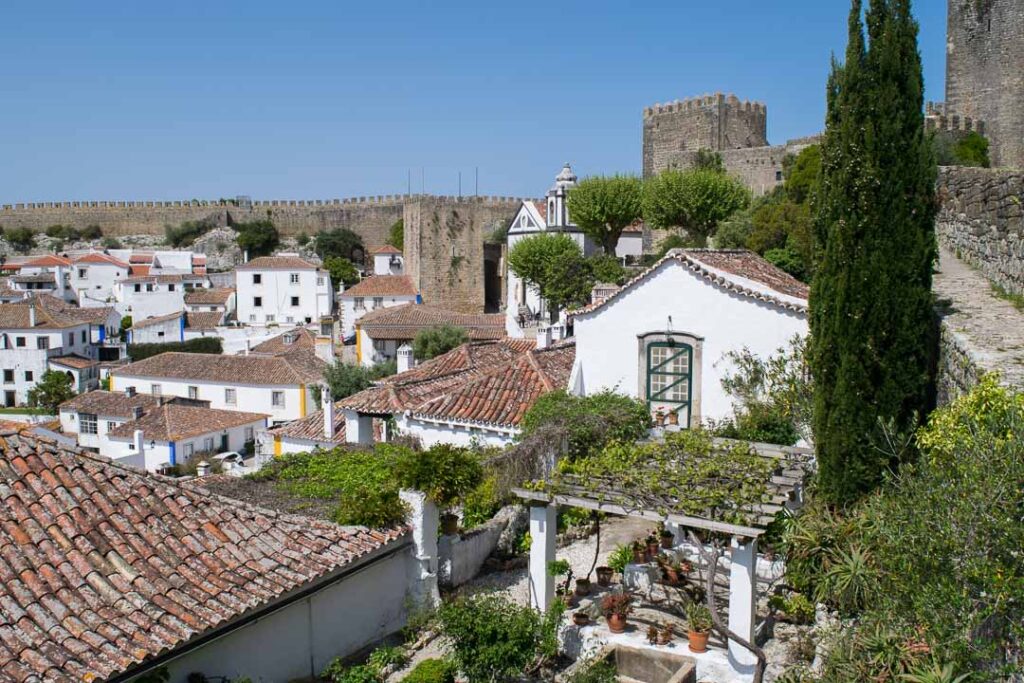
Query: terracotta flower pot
[(580, 618), (639, 555), (668, 541), (652, 551), (672, 418), (604, 576), (449, 525), (698, 641), (664, 637), (616, 623), (582, 587)]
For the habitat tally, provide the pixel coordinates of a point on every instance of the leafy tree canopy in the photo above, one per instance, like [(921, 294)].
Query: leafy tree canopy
[(342, 271), (554, 265), (696, 200), (396, 235), (345, 379), (589, 422), (53, 388), (605, 268), (603, 206), (340, 242), (802, 174), (187, 232), (22, 239), (436, 340), (259, 238)]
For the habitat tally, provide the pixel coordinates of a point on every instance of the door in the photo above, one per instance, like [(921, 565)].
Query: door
[(9, 399), (224, 443)]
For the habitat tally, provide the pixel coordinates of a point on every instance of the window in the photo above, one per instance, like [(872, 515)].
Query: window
[(211, 308), (320, 281), (155, 389), (295, 301), (252, 317), (778, 176), (669, 370), (8, 376), (257, 279), (378, 301), (193, 392), (138, 288), (29, 376), (110, 426), (257, 301), (270, 317), (230, 397), (277, 399), (290, 319), (149, 287), (83, 336), (294, 278), (360, 303), (71, 338), (208, 444), (160, 333), (86, 423), (170, 287), (248, 434), (19, 342), (83, 273), (42, 342), (187, 451)]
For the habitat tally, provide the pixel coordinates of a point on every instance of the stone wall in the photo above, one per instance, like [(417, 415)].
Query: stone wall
[(985, 72), (958, 370), (760, 168), (444, 246), (981, 219)]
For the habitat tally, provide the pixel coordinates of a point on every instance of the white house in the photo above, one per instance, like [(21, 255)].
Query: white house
[(387, 260), (665, 336), (44, 275), (280, 386), (34, 331), (211, 300), (150, 296), (84, 372), (376, 291), (296, 338), (380, 333), (174, 434), (283, 290), (91, 416), (94, 276), (175, 327)]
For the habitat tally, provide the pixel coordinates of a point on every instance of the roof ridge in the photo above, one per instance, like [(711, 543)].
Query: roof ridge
[(531, 356)]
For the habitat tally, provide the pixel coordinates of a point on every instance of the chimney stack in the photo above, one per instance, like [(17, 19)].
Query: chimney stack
[(544, 336), (202, 468), (129, 391), (328, 405), (32, 314), (248, 345), (137, 437), (405, 358)]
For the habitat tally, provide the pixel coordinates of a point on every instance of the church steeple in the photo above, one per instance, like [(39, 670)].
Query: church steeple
[(558, 214)]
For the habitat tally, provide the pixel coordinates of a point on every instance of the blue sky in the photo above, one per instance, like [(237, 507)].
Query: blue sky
[(303, 100)]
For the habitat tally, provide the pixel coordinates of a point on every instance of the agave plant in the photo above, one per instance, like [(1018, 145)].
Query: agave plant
[(936, 673)]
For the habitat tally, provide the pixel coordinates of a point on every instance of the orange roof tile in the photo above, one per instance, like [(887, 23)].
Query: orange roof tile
[(382, 285), (403, 322)]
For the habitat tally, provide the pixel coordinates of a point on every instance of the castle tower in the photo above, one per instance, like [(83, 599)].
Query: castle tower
[(985, 72), (673, 133)]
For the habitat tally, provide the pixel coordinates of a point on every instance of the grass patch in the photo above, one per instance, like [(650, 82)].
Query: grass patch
[(25, 411), (1016, 300)]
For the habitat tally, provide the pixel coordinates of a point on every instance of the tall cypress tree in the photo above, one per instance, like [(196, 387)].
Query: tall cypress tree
[(871, 307)]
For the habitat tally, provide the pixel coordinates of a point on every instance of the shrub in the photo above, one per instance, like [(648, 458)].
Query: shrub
[(431, 671), (22, 239), (92, 232), (302, 239), (481, 504), (345, 379), (589, 422), (62, 232), (259, 238), (396, 235), (111, 243), (386, 656), (342, 271), (187, 232), (494, 639), (596, 672), (444, 472), (212, 345), (340, 242), (436, 340)]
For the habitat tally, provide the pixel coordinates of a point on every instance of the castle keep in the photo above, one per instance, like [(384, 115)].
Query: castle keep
[(985, 74), (673, 134)]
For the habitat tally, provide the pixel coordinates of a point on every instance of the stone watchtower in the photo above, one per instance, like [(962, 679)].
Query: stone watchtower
[(985, 72), (674, 132)]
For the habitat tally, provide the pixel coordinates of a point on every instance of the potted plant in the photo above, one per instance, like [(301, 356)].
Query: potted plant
[(449, 524), (604, 576), (652, 547), (667, 539), (581, 618), (698, 617), (619, 558), (671, 571), (616, 607), (665, 634), (559, 568), (659, 417), (583, 587), (652, 634), (639, 553), (672, 418)]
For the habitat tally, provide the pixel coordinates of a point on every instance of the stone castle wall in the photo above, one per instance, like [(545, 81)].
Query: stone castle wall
[(674, 132), (985, 72), (981, 219), (444, 247)]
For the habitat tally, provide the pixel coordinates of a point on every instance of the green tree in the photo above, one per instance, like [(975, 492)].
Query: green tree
[(52, 389), (342, 271), (396, 235), (972, 150), (871, 304), (802, 174), (345, 379), (554, 265), (782, 232), (340, 242), (186, 233), (22, 239), (433, 341), (607, 268), (708, 160), (604, 206), (696, 200), (92, 232), (259, 238)]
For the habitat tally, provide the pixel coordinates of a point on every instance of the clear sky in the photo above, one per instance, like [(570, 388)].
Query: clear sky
[(307, 100)]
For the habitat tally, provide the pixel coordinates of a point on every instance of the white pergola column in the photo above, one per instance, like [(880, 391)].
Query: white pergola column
[(358, 428), (423, 518), (742, 598), (543, 529)]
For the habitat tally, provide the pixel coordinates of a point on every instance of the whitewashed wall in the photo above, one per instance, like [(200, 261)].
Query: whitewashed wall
[(276, 291), (93, 283), (123, 449), (350, 314), (28, 358), (161, 332), (430, 433)]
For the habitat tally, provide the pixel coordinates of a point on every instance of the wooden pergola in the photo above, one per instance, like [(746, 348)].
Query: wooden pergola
[(788, 469)]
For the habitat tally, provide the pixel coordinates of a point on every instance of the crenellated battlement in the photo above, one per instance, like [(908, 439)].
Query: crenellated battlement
[(707, 101), (938, 117)]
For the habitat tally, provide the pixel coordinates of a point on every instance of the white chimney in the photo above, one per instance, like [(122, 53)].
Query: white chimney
[(32, 315), (248, 345), (137, 438), (328, 406), (202, 468), (405, 359), (543, 337), (129, 391)]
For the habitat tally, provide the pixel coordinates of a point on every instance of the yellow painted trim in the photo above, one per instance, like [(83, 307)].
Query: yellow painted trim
[(359, 347), (277, 446), (302, 400)]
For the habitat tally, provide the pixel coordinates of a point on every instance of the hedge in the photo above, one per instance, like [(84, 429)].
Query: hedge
[(139, 352)]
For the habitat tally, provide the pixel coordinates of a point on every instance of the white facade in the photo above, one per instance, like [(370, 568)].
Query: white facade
[(53, 279), (283, 296), (93, 283), (71, 423), (373, 351), (387, 262), (144, 452), (355, 307), (431, 432), (24, 356), (148, 297), (678, 306), (282, 402), (164, 330)]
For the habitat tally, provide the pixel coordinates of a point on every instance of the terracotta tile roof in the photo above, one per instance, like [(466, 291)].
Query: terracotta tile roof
[(141, 257), (277, 263), (403, 322), (502, 396), (35, 277), (163, 278), (736, 270), (73, 361), (386, 249), (6, 291), (209, 296), (138, 271), (46, 261), (97, 315), (541, 208), (105, 567), (171, 422), (299, 367), (382, 285), (311, 427), (51, 313), (109, 403), (146, 322), (99, 257), (203, 320), (297, 338)]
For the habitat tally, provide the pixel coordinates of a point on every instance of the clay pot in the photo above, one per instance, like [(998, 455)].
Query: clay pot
[(672, 418), (659, 419), (698, 641), (652, 551), (449, 525), (668, 541), (582, 587), (664, 637), (616, 623), (604, 576), (580, 618), (639, 555)]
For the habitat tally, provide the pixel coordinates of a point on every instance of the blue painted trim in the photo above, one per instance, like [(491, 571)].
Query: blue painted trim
[(174, 453), (182, 327), (103, 332), (419, 298)]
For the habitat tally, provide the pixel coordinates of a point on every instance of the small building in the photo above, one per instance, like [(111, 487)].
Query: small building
[(666, 336), (175, 327), (280, 386), (90, 417), (387, 260), (379, 333), (84, 372), (45, 275), (211, 300), (283, 289), (371, 294), (296, 338), (94, 277), (174, 434), (151, 296)]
